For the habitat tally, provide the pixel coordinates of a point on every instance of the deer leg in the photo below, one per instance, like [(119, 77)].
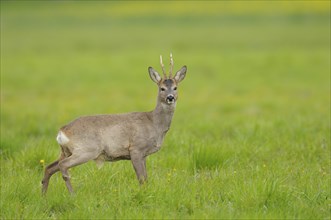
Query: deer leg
[(139, 165), (145, 169), (49, 171), (69, 162)]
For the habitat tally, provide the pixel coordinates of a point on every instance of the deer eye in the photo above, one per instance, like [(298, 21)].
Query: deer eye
[(175, 88), (162, 89)]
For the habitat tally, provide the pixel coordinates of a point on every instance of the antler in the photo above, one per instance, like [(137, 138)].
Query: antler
[(162, 65), (171, 66)]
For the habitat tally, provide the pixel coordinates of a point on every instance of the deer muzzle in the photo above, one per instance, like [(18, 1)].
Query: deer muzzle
[(170, 99)]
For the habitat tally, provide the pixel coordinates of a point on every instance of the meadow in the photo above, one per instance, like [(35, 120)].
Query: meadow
[(250, 138)]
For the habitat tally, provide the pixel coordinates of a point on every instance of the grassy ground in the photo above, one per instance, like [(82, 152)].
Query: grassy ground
[(251, 133)]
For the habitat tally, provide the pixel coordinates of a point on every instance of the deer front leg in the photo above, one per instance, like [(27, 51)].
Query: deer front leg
[(145, 169), (139, 165)]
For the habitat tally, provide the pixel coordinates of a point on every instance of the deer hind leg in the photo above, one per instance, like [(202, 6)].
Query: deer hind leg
[(73, 160), (49, 171)]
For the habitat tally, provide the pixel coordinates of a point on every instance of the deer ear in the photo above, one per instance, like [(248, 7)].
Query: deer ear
[(154, 75), (180, 75)]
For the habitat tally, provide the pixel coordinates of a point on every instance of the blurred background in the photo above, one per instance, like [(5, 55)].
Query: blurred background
[(87, 57), (245, 60)]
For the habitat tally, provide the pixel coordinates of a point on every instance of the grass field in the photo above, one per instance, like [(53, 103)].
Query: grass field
[(251, 134)]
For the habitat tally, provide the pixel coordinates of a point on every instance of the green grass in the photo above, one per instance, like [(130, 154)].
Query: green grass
[(251, 133)]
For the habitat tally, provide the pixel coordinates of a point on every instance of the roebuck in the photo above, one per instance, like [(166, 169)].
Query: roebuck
[(130, 136)]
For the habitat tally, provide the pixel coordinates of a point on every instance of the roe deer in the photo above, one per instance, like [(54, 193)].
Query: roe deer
[(131, 136)]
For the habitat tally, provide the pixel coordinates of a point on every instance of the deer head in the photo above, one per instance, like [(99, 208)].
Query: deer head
[(167, 85)]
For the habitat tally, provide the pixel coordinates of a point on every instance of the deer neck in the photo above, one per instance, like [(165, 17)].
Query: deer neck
[(162, 116)]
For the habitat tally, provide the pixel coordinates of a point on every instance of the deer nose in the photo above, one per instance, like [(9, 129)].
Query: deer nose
[(170, 98)]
